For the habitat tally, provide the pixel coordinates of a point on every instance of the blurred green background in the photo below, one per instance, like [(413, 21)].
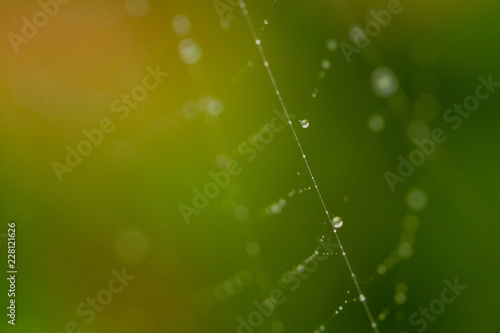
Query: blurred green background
[(120, 207)]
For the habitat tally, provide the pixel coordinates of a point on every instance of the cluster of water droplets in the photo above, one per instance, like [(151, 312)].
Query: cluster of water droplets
[(325, 65), (277, 206), (338, 309)]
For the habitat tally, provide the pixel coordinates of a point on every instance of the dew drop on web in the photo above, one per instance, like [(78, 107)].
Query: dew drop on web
[(337, 222), (304, 123)]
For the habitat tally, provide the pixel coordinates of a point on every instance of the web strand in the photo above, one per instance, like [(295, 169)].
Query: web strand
[(271, 76)]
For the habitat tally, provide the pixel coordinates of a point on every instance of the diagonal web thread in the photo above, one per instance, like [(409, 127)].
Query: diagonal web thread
[(271, 76)]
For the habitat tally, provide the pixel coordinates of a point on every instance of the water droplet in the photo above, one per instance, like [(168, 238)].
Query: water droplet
[(362, 298), (416, 199), (215, 107), (278, 327), (241, 212), (300, 268), (304, 122), (137, 8), (322, 328), (418, 130), (226, 23), (381, 269), (132, 247), (275, 208), (266, 22), (411, 223), (253, 249), (190, 51), (402, 287), (426, 107), (384, 82), (341, 308), (325, 64), (405, 250), (382, 316), (331, 45), (376, 123), (181, 25), (337, 222), (257, 41)]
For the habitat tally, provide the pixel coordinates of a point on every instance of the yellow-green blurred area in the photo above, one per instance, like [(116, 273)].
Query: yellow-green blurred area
[(119, 206)]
